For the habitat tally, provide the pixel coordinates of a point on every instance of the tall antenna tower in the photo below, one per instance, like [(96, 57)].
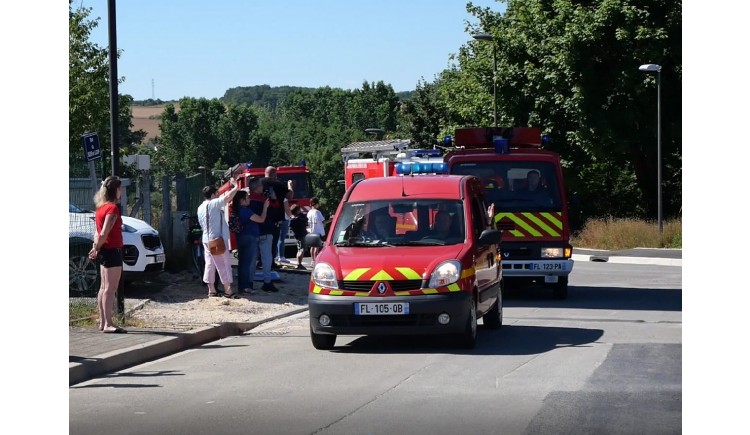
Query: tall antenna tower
[(152, 90)]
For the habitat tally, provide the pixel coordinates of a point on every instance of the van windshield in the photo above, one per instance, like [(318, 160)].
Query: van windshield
[(516, 186), (400, 222)]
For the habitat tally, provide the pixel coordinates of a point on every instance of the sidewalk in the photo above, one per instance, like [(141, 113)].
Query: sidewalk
[(92, 353)]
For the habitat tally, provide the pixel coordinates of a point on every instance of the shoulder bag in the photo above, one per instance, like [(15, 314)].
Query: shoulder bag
[(215, 246)]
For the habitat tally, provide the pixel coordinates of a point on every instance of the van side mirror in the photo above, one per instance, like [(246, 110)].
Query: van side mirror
[(489, 237)]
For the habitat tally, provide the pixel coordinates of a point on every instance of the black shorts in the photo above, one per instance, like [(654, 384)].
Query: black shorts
[(300, 244), (110, 257)]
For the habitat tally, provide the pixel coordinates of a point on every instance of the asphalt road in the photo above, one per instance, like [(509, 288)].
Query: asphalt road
[(606, 360)]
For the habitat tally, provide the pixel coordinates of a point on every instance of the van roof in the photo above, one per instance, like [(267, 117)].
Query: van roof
[(426, 186)]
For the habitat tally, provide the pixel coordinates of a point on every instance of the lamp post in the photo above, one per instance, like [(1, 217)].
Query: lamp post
[(486, 37), (650, 67), (377, 132), (203, 168)]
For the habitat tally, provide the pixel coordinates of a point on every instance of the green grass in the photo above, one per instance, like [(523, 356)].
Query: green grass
[(617, 234)]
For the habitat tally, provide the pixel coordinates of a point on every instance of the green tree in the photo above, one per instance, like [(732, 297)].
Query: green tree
[(571, 68), (89, 103)]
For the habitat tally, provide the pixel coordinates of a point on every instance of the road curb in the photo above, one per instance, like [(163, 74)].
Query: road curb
[(628, 260), (121, 359)]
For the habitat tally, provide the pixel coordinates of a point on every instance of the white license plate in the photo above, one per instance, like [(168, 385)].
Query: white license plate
[(159, 258), (548, 266), (381, 308)]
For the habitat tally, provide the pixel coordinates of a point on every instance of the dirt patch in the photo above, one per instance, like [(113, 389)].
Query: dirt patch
[(184, 303)]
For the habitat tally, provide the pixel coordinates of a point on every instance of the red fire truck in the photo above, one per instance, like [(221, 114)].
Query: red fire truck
[(522, 179), (299, 175)]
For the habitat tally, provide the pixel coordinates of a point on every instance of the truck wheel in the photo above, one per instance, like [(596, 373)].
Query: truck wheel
[(83, 274), (468, 338), (494, 317), (322, 341), (560, 290)]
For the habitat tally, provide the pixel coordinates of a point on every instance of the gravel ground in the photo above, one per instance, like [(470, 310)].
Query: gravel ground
[(184, 303)]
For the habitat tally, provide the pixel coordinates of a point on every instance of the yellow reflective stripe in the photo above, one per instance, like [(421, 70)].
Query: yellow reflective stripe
[(429, 291), (539, 222), (356, 273), (554, 220), (382, 276), (316, 289), (336, 293), (454, 287), (409, 273), (515, 219), (468, 272)]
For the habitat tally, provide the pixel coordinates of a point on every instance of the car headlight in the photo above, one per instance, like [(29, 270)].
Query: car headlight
[(128, 229), (446, 273), (324, 276)]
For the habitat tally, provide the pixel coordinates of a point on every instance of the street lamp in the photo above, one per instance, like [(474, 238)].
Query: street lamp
[(486, 37), (203, 168), (651, 67), (377, 132)]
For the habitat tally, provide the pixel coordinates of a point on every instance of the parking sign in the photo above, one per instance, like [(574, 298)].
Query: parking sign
[(91, 148)]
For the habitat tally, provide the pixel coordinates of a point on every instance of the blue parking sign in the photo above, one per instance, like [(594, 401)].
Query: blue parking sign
[(91, 148)]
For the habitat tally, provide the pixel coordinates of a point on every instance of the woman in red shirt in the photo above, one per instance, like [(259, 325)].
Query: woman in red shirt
[(108, 250)]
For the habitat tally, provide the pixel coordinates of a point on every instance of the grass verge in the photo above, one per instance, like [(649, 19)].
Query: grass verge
[(615, 234)]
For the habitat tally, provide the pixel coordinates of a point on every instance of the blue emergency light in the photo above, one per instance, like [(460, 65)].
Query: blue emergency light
[(447, 140), (248, 165), (546, 139), (421, 168)]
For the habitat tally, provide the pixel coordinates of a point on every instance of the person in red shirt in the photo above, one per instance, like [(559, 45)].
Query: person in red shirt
[(107, 250)]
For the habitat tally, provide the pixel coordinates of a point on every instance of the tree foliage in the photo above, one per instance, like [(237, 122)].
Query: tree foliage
[(569, 67), (88, 101)]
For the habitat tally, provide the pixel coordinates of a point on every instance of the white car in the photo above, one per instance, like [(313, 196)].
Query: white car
[(143, 253)]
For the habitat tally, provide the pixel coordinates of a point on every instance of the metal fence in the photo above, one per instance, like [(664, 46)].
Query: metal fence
[(161, 203)]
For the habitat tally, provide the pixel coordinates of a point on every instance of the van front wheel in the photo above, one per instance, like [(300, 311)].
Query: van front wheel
[(322, 341)]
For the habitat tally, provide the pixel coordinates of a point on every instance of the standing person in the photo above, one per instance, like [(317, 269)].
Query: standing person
[(247, 239), (298, 224), (276, 191), (284, 230), (316, 222), (265, 238), (213, 223), (107, 249)]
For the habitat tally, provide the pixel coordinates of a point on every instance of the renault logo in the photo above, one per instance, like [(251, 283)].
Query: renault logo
[(381, 288), (506, 254)]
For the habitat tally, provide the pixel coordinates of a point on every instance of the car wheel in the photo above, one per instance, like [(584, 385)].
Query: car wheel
[(322, 341), (560, 290), (468, 338), (83, 273), (494, 317)]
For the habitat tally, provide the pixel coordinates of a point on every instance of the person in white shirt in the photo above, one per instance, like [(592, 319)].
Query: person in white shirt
[(315, 220), (211, 217)]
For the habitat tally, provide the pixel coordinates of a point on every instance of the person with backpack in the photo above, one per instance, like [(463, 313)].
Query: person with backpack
[(265, 239), (298, 224), (244, 223), (276, 190)]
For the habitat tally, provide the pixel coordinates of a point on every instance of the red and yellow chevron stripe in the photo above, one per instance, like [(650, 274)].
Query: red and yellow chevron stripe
[(534, 224), (399, 273)]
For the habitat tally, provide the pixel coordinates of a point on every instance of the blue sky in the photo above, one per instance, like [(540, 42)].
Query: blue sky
[(200, 49)]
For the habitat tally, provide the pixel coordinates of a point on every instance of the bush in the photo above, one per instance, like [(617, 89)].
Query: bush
[(614, 234)]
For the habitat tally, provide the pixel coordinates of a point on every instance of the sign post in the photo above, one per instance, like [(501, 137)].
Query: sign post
[(92, 150)]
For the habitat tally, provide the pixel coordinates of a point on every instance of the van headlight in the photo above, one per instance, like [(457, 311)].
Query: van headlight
[(446, 273), (324, 276)]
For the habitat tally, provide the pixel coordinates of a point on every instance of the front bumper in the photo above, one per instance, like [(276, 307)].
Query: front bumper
[(422, 317), (537, 268)]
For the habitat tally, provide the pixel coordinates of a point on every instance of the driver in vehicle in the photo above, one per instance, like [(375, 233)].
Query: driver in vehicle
[(441, 228), (382, 227)]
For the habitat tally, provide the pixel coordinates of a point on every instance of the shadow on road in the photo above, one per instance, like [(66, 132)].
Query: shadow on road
[(509, 340), (599, 298)]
